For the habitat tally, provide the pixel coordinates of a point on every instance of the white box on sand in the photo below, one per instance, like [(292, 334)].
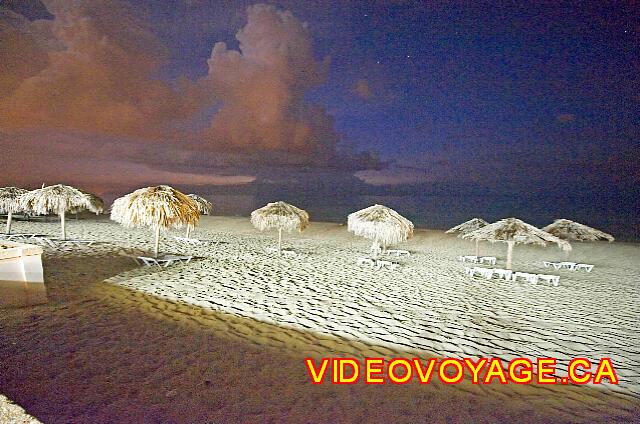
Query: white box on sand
[(21, 278)]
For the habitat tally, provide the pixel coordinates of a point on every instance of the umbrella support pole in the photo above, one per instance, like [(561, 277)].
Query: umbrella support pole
[(188, 230), (279, 241), (510, 245), (157, 242), (62, 225), (9, 223)]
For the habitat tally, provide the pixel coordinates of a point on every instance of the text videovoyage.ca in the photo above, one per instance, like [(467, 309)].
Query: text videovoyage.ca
[(454, 371)]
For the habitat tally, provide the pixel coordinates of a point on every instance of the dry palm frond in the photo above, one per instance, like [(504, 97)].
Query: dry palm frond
[(205, 207), (570, 230), (280, 216), (468, 226), (381, 224), (157, 207), (10, 199), (515, 230), (56, 199)]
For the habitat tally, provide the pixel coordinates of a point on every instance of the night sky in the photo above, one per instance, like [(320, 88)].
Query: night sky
[(386, 98)]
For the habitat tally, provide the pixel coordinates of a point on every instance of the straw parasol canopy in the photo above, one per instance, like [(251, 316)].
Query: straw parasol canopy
[(380, 224), (95, 204), (280, 216), (205, 207), (58, 199), (512, 231), (10, 202), (570, 230), (156, 207), (467, 227)]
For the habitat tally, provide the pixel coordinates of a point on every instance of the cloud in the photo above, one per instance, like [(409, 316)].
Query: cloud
[(89, 69), (261, 89), (80, 102), (362, 89)]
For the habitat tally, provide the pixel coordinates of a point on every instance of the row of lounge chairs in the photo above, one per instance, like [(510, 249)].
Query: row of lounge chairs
[(478, 259), (571, 266), (48, 240), (378, 264), (507, 274)]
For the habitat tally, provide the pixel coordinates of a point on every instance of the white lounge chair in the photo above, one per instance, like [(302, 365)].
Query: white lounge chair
[(57, 243), (554, 279), (23, 236), (381, 264), (289, 253), (398, 252), (162, 261), (488, 259), (568, 265), (586, 267), (366, 261), (483, 272), (503, 273), (468, 258), (531, 278)]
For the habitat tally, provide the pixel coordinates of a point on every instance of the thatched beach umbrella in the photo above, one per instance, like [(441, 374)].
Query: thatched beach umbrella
[(94, 204), (570, 230), (512, 231), (205, 207), (10, 202), (58, 199), (380, 224), (156, 207), (468, 227), (280, 216)]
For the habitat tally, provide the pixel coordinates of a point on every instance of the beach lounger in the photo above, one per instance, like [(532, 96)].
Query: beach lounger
[(568, 265), (469, 258), (381, 264), (283, 252), (398, 252), (367, 261), (554, 279), (57, 243), (483, 272), (289, 253), (22, 236), (586, 267), (161, 261), (531, 278), (488, 259), (503, 273)]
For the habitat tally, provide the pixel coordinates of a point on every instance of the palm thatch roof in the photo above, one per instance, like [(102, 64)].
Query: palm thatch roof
[(10, 199), (380, 223), (204, 206), (157, 207), (468, 226), (281, 216), (570, 230), (56, 199), (513, 229), (95, 204)]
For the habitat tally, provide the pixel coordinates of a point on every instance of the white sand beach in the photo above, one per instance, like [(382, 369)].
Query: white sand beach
[(222, 339)]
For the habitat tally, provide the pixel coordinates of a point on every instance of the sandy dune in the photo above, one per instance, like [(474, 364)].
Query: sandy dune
[(222, 339)]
